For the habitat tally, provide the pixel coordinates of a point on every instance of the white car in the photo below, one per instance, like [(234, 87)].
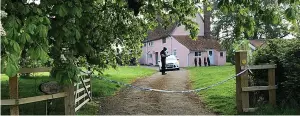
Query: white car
[(171, 63)]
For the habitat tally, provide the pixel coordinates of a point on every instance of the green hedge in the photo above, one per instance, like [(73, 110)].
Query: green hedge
[(286, 54)]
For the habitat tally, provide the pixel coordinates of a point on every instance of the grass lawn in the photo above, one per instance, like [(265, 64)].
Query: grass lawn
[(219, 99), (29, 87)]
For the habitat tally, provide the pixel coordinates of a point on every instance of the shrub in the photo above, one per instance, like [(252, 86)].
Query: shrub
[(286, 54)]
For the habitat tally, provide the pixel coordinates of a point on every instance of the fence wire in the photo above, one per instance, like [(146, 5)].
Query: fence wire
[(159, 90)]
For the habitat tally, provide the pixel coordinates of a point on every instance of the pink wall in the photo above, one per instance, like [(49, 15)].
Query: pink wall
[(181, 29), (171, 44), (186, 57), (220, 60), (192, 57), (182, 52)]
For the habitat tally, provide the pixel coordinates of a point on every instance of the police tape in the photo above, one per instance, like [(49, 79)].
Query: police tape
[(166, 91)]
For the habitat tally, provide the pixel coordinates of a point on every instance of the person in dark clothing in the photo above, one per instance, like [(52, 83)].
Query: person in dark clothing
[(205, 63), (199, 61), (163, 56), (195, 61), (208, 61)]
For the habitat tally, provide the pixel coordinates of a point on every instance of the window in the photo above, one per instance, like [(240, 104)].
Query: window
[(175, 52), (149, 55), (151, 43), (197, 53), (164, 40), (221, 54), (210, 53)]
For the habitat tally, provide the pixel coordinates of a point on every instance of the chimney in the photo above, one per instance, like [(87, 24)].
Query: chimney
[(207, 16)]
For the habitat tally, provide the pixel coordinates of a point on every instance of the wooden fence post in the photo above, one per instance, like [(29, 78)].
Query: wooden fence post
[(272, 92), (242, 98), (69, 99), (14, 94)]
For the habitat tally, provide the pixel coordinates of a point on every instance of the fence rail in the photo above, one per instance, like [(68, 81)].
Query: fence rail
[(253, 67), (83, 92), (242, 85), (258, 88), (32, 99)]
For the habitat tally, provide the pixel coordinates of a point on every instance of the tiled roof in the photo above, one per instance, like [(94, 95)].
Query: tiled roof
[(201, 44), (160, 32), (257, 43)]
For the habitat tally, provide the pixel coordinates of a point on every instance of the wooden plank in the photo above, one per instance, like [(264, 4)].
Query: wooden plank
[(69, 100), (244, 83), (240, 60), (271, 81), (85, 88), (8, 102), (258, 88), (34, 70), (249, 109), (82, 96), (86, 80), (81, 89), (32, 99), (267, 66), (14, 94), (41, 98), (79, 106), (90, 83)]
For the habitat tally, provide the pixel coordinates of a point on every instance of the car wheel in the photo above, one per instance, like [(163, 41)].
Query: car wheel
[(178, 68), (159, 69)]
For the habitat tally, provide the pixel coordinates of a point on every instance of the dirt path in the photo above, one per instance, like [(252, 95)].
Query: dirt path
[(135, 102)]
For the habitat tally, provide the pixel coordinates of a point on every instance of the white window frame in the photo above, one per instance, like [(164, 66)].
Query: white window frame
[(222, 54), (175, 52), (198, 54), (151, 43), (149, 55)]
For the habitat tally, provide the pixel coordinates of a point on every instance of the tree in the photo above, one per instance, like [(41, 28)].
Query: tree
[(73, 31), (84, 30), (257, 19), (2, 15)]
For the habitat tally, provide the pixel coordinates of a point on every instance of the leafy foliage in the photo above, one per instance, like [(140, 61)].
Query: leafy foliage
[(73, 32), (2, 15), (286, 55), (250, 14), (254, 19)]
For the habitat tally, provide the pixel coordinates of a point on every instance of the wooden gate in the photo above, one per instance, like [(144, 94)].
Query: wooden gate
[(82, 91), (242, 82), (75, 95)]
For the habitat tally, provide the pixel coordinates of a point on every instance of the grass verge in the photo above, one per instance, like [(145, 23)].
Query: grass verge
[(29, 87), (220, 99)]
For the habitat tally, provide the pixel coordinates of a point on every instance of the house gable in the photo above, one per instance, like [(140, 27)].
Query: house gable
[(254, 44), (180, 30)]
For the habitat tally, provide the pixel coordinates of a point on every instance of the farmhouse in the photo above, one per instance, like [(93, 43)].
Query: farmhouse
[(176, 39)]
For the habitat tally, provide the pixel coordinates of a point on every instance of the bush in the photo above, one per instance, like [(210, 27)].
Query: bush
[(286, 54)]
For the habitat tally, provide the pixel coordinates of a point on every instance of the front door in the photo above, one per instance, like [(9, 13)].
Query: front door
[(156, 58), (211, 57)]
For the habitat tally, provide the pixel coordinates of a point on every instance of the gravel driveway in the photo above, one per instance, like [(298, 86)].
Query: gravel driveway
[(131, 101)]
